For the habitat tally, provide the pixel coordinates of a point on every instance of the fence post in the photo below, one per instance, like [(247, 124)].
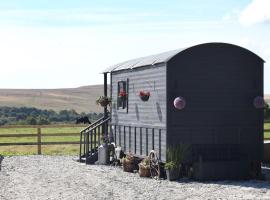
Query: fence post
[(39, 140)]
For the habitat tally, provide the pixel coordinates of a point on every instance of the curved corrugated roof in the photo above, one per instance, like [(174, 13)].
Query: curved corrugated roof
[(144, 61), (160, 58)]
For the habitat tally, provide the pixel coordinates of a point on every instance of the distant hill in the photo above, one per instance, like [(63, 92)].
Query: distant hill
[(267, 98), (81, 99)]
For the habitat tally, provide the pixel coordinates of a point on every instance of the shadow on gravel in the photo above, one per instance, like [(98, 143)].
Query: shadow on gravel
[(257, 184)]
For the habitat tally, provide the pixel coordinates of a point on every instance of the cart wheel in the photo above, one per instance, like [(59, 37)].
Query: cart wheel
[(154, 165)]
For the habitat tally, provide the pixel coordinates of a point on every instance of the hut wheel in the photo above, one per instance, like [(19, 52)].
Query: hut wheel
[(154, 165)]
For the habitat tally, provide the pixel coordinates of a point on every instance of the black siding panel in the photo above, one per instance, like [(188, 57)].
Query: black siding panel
[(219, 84)]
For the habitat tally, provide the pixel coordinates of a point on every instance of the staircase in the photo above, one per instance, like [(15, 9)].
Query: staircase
[(91, 138)]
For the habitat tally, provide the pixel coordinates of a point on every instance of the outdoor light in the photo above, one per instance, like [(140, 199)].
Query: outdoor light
[(179, 103)]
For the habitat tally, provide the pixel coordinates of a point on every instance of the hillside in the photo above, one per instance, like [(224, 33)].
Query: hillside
[(267, 98), (81, 99)]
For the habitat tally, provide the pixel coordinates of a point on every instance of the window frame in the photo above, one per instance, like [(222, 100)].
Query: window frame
[(122, 105)]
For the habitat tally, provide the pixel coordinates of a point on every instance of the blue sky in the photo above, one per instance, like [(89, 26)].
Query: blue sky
[(64, 43)]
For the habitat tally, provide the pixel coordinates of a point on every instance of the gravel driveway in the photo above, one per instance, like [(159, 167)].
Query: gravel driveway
[(60, 177)]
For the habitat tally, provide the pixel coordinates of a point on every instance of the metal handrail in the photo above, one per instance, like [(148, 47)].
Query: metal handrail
[(100, 124), (90, 126), (88, 132)]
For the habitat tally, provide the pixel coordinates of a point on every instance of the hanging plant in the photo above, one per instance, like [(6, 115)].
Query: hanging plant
[(103, 101), (144, 95)]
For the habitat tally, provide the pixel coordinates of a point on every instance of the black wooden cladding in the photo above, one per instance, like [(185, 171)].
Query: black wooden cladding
[(219, 83)]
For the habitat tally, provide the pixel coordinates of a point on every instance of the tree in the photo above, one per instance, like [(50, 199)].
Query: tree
[(31, 120), (42, 121)]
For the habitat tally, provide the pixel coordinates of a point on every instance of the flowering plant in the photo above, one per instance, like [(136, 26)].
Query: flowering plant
[(103, 101), (144, 95), (122, 94)]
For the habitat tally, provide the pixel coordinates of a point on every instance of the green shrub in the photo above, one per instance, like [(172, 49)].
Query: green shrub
[(170, 165), (177, 154)]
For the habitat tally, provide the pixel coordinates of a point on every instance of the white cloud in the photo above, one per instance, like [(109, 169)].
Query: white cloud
[(258, 11)]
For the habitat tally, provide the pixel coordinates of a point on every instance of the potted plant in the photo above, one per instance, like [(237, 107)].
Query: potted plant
[(103, 101), (144, 167), (176, 156), (144, 95), (128, 163), (172, 170)]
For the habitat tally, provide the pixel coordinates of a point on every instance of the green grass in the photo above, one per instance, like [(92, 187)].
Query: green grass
[(50, 149), (46, 149), (267, 134)]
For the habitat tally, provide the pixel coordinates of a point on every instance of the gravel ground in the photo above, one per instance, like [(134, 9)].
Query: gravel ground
[(60, 177)]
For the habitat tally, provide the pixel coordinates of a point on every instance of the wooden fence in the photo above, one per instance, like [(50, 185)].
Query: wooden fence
[(39, 135)]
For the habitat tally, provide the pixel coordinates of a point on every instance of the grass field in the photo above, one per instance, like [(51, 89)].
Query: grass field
[(267, 134), (70, 149)]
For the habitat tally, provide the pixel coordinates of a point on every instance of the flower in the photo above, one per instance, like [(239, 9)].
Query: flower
[(144, 94), (122, 93)]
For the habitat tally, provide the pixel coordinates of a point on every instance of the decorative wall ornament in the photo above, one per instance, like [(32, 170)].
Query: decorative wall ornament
[(179, 103), (258, 102)]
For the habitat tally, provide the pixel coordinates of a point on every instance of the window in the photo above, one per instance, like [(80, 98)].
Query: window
[(122, 99)]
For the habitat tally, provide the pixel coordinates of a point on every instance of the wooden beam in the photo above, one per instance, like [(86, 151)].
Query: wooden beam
[(39, 141)]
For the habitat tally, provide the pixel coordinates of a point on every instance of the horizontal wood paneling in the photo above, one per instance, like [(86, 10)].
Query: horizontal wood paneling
[(152, 112), (148, 115)]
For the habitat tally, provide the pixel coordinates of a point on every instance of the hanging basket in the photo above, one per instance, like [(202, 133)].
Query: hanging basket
[(103, 101), (144, 98), (144, 95)]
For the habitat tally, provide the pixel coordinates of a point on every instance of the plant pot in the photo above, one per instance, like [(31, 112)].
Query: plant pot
[(144, 98), (144, 171), (128, 166), (103, 103), (122, 98), (172, 174)]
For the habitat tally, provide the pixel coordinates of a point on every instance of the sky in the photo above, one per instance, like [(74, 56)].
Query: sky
[(68, 43)]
